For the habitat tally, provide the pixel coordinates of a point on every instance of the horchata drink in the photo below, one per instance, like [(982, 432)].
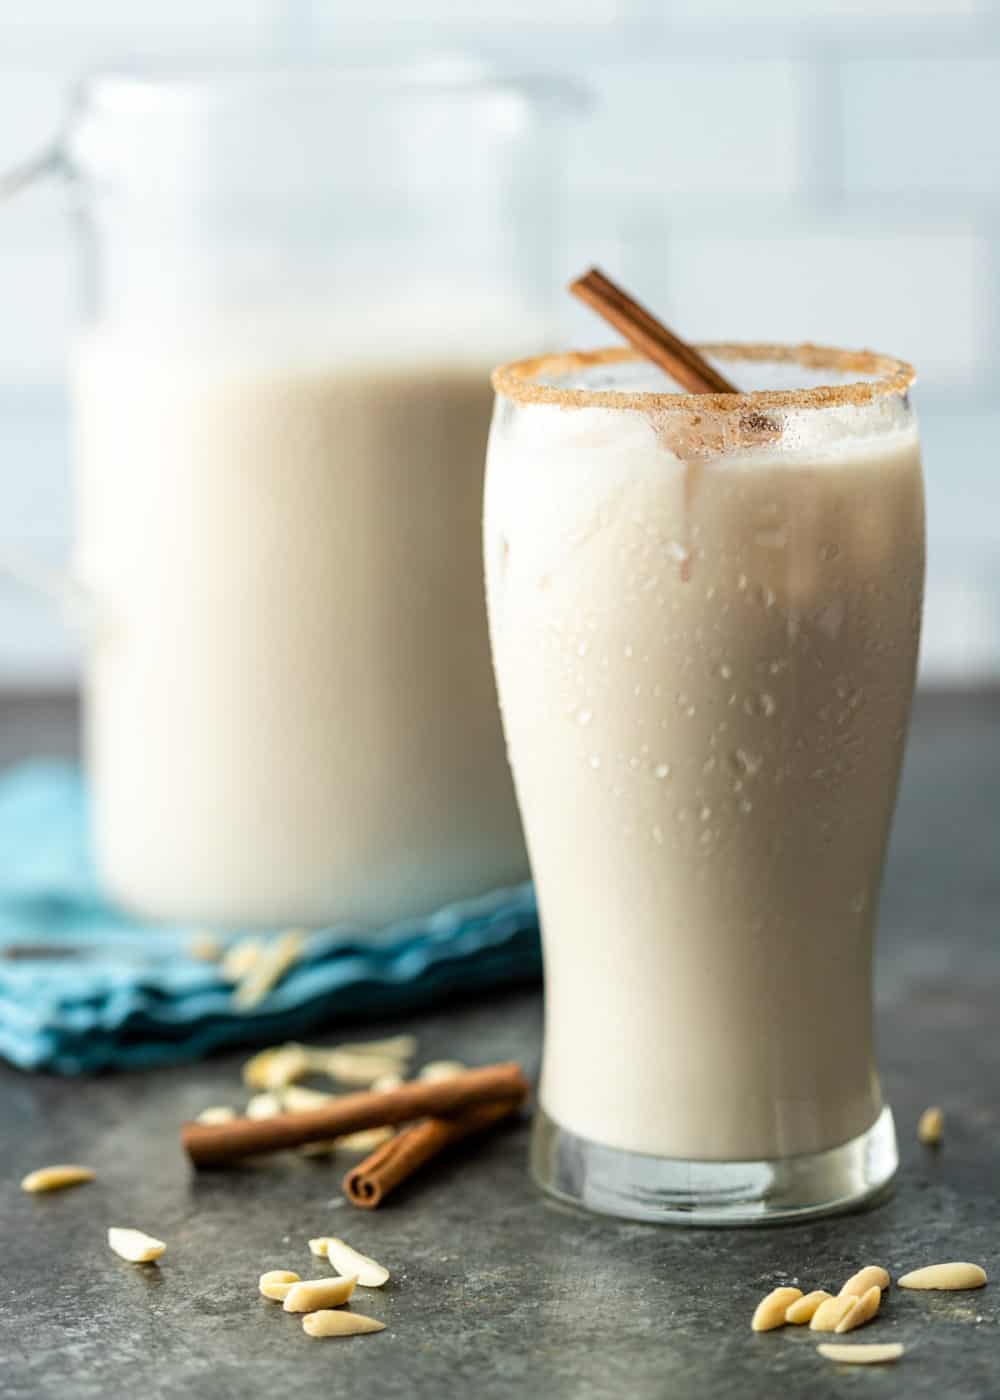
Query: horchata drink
[(705, 614)]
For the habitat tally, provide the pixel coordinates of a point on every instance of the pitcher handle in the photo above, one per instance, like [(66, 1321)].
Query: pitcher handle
[(17, 177), (70, 597)]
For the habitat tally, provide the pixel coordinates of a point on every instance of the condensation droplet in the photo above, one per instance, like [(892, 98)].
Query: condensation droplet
[(760, 703), (705, 814), (745, 763), (745, 805), (628, 651), (633, 763), (742, 583), (584, 716), (595, 760), (706, 837), (831, 618), (829, 551), (859, 902), (582, 648), (662, 770), (658, 835), (709, 763)]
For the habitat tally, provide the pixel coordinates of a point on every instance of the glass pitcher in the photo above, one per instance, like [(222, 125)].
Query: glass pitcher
[(294, 285)]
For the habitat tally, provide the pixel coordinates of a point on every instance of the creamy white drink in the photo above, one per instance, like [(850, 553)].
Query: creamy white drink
[(291, 714), (705, 632)]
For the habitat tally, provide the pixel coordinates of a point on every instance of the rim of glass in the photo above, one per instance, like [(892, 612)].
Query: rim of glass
[(131, 89), (519, 380)]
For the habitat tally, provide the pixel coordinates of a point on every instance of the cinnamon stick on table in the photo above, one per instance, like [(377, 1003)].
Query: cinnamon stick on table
[(397, 1160), (216, 1144)]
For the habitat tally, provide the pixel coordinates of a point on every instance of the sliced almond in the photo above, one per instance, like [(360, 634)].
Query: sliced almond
[(274, 960), (135, 1245), (930, 1129), (831, 1313), (441, 1069), (276, 1067), (397, 1047), (276, 1283), (803, 1309), (947, 1276), (870, 1276), (339, 1324), (863, 1311), (219, 1114), (770, 1311), (263, 1106), (350, 1067), (240, 959), (364, 1141), (296, 1098), (315, 1293), (865, 1354), (56, 1178), (370, 1274)]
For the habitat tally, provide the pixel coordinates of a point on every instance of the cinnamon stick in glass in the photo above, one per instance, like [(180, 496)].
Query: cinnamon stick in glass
[(217, 1144), (369, 1183), (686, 365)]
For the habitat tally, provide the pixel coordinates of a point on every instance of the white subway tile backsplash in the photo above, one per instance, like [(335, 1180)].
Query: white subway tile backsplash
[(822, 169), (92, 31), (915, 294), (37, 297), (922, 125), (801, 13), (32, 103), (682, 128), (961, 631), (963, 484), (38, 649), (35, 493), (331, 17)]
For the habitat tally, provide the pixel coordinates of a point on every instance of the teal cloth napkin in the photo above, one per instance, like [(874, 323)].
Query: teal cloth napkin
[(85, 987)]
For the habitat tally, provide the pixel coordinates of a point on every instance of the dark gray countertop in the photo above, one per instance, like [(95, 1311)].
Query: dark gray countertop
[(497, 1292)]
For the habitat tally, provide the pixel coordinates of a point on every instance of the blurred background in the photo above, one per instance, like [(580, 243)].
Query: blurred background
[(753, 168)]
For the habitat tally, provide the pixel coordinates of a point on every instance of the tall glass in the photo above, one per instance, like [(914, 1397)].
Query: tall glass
[(705, 615)]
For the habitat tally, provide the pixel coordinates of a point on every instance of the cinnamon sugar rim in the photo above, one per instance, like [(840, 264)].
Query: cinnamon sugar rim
[(518, 380)]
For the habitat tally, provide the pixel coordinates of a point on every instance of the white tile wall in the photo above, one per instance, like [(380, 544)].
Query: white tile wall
[(826, 169), (865, 282), (923, 126), (675, 130), (75, 32), (800, 12)]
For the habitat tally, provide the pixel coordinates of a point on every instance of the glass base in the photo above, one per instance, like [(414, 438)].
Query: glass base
[(673, 1191)]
